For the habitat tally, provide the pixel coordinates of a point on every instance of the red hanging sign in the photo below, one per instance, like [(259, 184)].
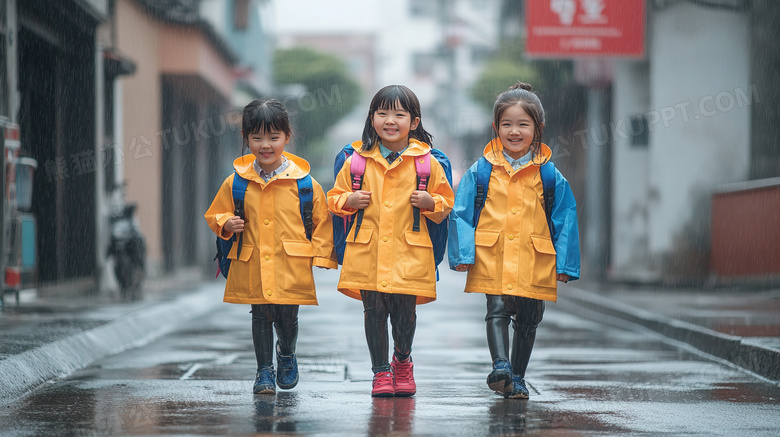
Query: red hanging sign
[(585, 28)]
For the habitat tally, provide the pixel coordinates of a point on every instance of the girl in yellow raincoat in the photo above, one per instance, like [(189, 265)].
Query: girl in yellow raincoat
[(388, 265), (272, 256), (508, 248)]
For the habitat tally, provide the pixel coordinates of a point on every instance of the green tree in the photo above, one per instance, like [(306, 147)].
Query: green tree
[(509, 66), (329, 93)]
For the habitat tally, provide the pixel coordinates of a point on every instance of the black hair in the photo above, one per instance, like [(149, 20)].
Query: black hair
[(265, 115), (391, 97), (521, 94)]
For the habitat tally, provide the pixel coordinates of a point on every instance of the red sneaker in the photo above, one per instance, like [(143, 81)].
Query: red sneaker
[(383, 385), (403, 377)]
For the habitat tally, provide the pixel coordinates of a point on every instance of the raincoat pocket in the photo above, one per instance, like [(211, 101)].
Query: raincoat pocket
[(297, 272), (418, 256), (240, 276), (485, 254), (544, 262), (358, 256)]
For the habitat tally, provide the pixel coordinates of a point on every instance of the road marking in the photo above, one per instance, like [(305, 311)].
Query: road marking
[(221, 361)]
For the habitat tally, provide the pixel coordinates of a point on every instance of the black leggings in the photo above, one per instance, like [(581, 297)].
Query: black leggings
[(266, 317), (527, 316), (401, 309)]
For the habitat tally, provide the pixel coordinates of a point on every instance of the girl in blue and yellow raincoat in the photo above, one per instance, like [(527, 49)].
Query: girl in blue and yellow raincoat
[(509, 252)]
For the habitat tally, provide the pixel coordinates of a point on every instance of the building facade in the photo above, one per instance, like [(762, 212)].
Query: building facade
[(51, 83), (683, 124)]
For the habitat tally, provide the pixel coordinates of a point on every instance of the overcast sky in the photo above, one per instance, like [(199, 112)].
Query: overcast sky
[(326, 16)]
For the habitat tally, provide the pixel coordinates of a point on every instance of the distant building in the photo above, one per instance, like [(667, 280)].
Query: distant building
[(176, 118), (435, 47), (439, 55)]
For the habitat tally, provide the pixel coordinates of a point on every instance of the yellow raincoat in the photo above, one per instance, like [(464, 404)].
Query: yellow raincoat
[(387, 255), (276, 260), (514, 252)]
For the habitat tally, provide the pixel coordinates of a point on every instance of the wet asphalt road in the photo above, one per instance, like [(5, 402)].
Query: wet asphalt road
[(586, 378)]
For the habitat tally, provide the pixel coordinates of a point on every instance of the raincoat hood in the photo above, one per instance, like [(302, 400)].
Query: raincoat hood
[(298, 168), (493, 153), (415, 148)]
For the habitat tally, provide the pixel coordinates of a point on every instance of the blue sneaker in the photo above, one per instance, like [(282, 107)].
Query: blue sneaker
[(264, 382), (519, 391), (287, 375), (500, 379)]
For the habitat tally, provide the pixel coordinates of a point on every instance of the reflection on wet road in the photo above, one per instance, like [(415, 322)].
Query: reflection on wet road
[(585, 378)]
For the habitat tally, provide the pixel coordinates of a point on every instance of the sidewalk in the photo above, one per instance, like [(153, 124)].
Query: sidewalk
[(739, 326), (48, 337)]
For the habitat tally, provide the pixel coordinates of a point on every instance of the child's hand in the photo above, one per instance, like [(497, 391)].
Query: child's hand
[(563, 277), (358, 200), (234, 225), (463, 267), (423, 200)]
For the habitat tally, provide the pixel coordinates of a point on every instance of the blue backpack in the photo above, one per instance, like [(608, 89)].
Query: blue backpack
[(306, 196), (484, 168), (438, 232)]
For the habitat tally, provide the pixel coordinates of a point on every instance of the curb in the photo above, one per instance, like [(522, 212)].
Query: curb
[(754, 358), (30, 369)]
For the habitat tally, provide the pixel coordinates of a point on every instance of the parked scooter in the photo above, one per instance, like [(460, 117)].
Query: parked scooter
[(128, 248)]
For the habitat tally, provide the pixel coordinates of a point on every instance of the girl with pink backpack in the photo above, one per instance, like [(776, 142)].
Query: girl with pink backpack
[(389, 259)]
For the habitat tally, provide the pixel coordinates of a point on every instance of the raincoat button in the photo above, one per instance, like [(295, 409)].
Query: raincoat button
[(387, 203), (514, 210), (268, 292), (267, 257), (509, 286), (265, 222), (511, 237), (384, 283), (385, 238), (422, 161)]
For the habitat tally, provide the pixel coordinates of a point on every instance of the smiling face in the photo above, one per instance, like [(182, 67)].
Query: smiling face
[(393, 126), (516, 131), (267, 147)]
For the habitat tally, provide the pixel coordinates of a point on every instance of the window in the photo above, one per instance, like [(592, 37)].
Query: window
[(423, 64), (241, 14), (422, 8), (480, 54), (3, 76), (3, 63), (638, 130)]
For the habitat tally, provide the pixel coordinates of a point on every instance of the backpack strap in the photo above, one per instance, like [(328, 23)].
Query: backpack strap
[(484, 169), (357, 168), (547, 172), (423, 166), (306, 197), (239, 189)]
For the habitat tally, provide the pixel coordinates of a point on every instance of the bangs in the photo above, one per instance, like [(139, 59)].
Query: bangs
[(394, 98), (266, 120)]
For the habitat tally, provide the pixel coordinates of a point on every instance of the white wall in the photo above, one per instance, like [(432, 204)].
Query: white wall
[(631, 91), (699, 120), (698, 55)]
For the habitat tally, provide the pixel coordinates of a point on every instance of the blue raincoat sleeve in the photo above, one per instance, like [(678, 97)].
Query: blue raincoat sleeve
[(567, 234), (460, 246)]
